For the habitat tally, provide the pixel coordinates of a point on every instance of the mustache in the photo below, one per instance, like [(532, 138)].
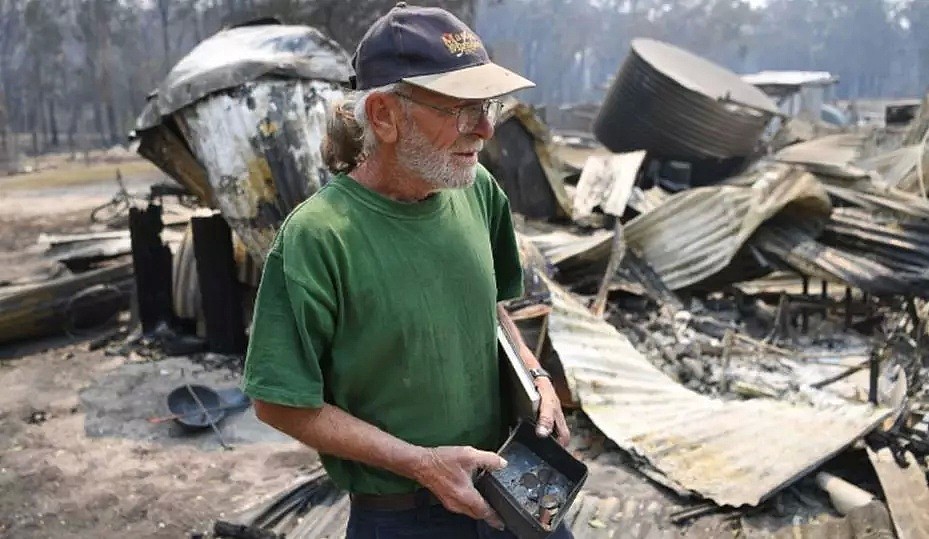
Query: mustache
[(475, 145)]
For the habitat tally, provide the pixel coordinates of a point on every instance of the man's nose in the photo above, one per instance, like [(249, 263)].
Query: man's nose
[(484, 129)]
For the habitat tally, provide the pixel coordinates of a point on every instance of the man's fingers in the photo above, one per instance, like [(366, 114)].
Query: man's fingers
[(487, 460), (481, 510), (546, 418), (561, 429), (495, 521)]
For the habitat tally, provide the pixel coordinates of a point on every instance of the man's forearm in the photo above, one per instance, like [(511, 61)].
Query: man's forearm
[(332, 431)]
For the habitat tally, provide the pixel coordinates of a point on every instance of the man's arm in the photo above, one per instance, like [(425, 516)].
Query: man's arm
[(444, 471), (551, 417)]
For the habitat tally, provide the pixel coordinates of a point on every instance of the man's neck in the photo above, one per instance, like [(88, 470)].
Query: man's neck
[(391, 181)]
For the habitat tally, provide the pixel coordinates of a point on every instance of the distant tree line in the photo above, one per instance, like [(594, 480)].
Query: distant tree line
[(571, 48), (76, 72)]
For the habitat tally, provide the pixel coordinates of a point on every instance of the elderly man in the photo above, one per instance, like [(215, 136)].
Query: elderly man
[(373, 338)]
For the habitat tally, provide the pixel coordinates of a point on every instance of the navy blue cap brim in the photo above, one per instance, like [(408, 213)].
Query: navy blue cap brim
[(483, 81)]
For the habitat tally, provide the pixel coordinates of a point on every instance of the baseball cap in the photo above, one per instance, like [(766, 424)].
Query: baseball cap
[(430, 48)]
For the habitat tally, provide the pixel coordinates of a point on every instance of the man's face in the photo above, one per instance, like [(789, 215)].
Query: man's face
[(430, 144)]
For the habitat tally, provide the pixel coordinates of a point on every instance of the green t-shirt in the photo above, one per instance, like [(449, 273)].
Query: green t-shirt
[(388, 311)]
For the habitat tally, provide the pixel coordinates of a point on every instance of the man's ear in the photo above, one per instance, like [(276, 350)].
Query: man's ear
[(384, 117)]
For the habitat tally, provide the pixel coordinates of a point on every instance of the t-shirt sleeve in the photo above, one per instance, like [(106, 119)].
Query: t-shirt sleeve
[(507, 268), (292, 328)]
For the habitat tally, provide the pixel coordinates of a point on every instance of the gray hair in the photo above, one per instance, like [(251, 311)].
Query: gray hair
[(349, 137), (368, 140)]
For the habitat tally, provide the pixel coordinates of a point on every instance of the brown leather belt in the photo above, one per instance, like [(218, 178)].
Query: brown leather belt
[(394, 502)]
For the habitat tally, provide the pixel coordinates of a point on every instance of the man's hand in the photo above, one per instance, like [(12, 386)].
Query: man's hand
[(551, 416), (447, 473)]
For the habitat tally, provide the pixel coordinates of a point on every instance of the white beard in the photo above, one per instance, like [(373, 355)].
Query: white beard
[(416, 153)]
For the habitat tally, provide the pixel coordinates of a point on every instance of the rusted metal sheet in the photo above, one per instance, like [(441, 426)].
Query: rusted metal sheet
[(239, 122), (49, 308), (259, 144), (697, 233), (676, 104), (162, 146), (732, 452), (906, 492)]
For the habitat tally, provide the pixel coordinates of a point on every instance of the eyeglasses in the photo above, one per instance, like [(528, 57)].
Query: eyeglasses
[(467, 116)]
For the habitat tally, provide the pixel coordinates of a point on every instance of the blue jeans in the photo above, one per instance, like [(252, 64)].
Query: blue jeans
[(425, 522)]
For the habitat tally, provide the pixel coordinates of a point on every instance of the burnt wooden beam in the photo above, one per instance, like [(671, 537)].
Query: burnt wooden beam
[(151, 259), (219, 288)]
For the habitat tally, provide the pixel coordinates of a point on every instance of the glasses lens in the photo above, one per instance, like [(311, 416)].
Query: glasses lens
[(493, 111), (470, 116)]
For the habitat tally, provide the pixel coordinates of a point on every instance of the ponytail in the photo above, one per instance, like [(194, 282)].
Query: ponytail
[(343, 145)]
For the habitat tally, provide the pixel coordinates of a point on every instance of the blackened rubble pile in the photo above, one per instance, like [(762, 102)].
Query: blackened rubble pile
[(735, 318), (734, 324)]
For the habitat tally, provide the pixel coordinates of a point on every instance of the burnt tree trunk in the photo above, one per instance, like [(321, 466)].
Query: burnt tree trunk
[(53, 122), (98, 120), (115, 135)]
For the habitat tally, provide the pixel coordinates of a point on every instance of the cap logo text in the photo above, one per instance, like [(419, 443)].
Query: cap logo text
[(461, 43)]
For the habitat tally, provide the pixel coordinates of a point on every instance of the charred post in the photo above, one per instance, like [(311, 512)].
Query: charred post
[(152, 261), (219, 289)]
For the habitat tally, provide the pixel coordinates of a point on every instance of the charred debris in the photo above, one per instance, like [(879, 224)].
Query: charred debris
[(730, 292)]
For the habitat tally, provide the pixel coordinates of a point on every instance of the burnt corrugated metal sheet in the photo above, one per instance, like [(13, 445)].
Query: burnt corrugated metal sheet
[(259, 144), (732, 452), (313, 509), (676, 104), (185, 282), (831, 155), (888, 269), (236, 56), (239, 122), (695, 234), (877, 240)]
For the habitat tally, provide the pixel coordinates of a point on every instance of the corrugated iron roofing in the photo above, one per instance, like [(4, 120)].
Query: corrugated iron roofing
[(831, 155), (696, 233), (676, 104), (732, 452), (873, 257)]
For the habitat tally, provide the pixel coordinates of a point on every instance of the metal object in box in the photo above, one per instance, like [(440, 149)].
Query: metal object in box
[(523, 504)]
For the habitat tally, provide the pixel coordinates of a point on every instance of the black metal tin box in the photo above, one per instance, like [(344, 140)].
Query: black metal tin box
[(509, 491)]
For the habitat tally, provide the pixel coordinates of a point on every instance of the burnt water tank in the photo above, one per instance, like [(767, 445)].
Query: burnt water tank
[(678, 105)]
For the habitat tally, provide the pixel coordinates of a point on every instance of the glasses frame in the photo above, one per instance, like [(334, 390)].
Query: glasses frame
[(464, 125)]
